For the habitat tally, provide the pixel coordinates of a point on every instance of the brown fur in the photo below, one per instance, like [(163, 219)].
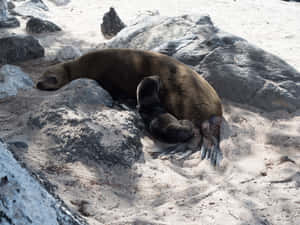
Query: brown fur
[(185, 94)]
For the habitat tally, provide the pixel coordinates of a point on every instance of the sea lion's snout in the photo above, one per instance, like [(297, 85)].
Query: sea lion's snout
[(47, 83)]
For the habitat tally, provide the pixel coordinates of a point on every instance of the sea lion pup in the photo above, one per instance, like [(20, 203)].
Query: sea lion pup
[(161, 124), (183, 92)]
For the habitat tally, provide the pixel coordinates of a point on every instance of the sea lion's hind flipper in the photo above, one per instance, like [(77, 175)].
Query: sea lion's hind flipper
[(210, 130)]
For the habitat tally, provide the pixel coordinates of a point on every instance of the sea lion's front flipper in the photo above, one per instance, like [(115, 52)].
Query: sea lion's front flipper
[(167, 128)]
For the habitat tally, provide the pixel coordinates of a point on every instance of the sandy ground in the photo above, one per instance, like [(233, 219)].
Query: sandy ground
[(257, 183)]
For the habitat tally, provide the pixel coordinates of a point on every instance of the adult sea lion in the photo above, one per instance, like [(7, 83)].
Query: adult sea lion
[(179, 92)]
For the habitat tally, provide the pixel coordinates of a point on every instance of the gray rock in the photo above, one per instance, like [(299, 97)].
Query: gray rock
[(40, 4), (3, 10), (10, 5), (10, 22), (60, 2), (19, 48), (36, 25), (17, 204), (84, 127), (7, 21), (68, 53), (238, 70), (112, 24), (32, 8), (12, 78), (18, 145)]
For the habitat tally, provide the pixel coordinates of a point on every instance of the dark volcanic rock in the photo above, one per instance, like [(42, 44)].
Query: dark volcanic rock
[(80, 120), (238, 70), (36, 25), (3, 10), (10, 22), (19, 48), (5, 20), (112, 24), (10, 5)]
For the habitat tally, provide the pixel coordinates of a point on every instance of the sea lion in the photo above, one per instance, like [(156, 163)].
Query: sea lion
[(183, 93), (161, 124)]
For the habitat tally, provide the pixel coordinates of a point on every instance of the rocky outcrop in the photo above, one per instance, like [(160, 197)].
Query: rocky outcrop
[(19, 48), (80, 120), (12, 78), (10, 22), (40, 4), (24, 201), (3, 9), (238, 70), (10, 5), (112, 24), (32, 8), (37, 26), (7, 21)]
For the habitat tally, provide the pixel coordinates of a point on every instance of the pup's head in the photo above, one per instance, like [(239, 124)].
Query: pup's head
[(53, 78)]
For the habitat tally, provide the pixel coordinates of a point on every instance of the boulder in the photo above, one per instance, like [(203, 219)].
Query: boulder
[(24, 201), (10, 5), (10, 22), (7, 21), (36, 25), (19, 48), (238, 70), (40, 4), (12, 78), (68, 53), (32, 8), (80, 119), (112, 24), (3, 10)]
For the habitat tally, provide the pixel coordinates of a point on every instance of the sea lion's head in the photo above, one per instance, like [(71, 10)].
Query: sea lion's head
[(53, 78)]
